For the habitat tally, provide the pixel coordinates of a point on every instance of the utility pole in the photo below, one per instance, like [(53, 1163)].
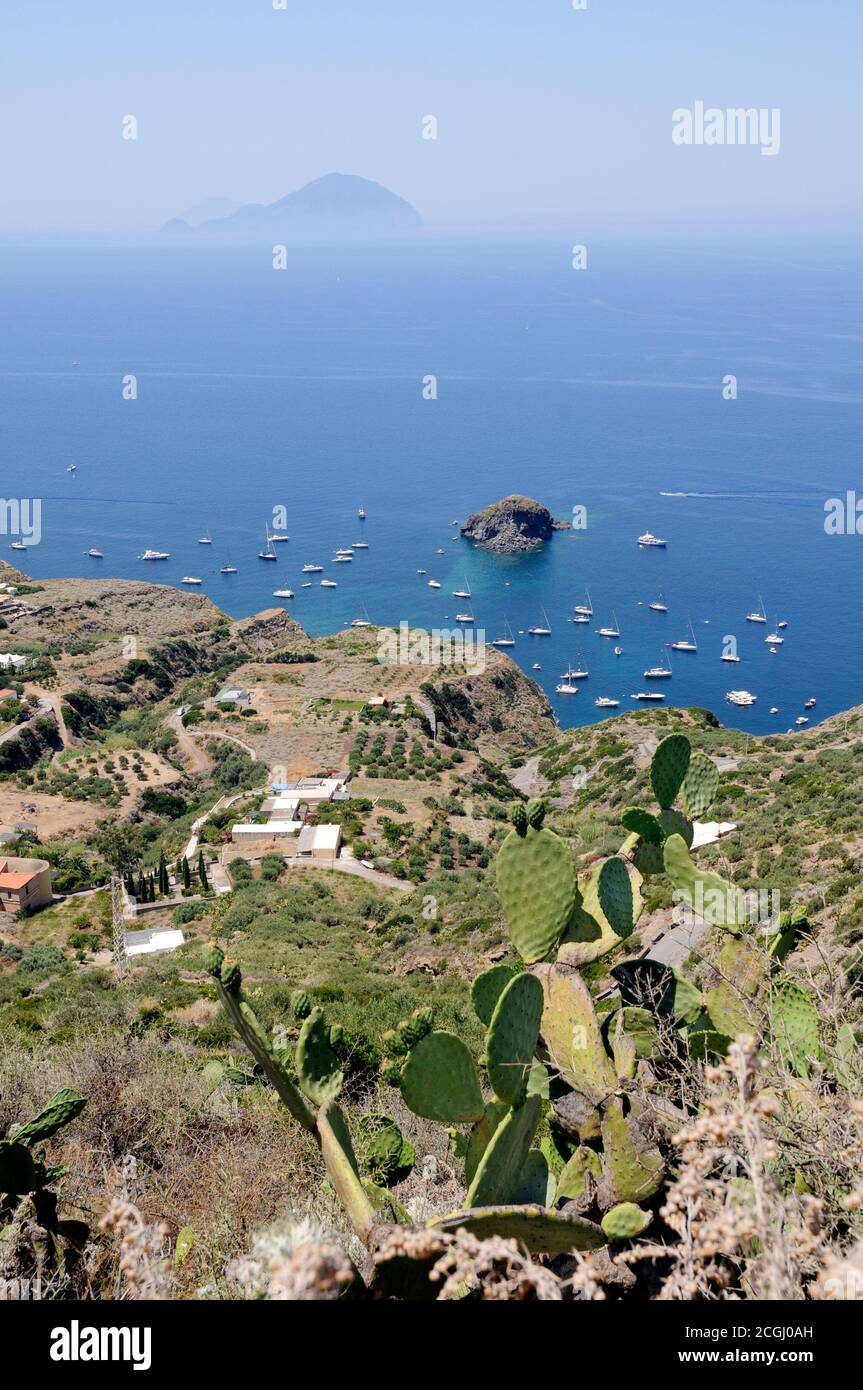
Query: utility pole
[(118, 929)]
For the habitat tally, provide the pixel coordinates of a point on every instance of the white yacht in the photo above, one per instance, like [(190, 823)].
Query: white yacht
[(342, 559), (539, 630), (780, 626), (809, 704), (758, 616), (313, 569), (613, 631), (228, 569), (618, 651), (580, 618), (649, 539), (147, 555), (205, 539), (462, 593), (566, 688), (346, 550), (433, 584), (360, 545), (422, 571), (659, 605), (648, 695), (774, 639), (801, 719), (307, 584), (328, 584), (605, 703), (361, 513), (278, 537), (774, 709), (95, 554), (687, 645), (267, 553), (283, 593), (464, 617), (536, 666), (741, 697), (190, 579), (729, 656), (73, 467), (360, 622), (575, 674), (19, 545), (440, 551), (586, 609), (508, 640), (659, 672)]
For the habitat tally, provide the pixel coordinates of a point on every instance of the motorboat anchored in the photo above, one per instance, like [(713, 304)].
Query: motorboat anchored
[(774, 639), (605, 703), (801, 719), (648, 695), (649, 539), (741, 697), (809, 704), (228, 569), (190, 579), (328, 584), (730, 656), (95, 554), (283, 593), (313, 569), (433, 584), (464, 617), (278, 537), (147, 555), (361, 513)]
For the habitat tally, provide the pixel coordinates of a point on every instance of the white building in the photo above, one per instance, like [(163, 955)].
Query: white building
[(146, 943), (309, 789), (10, 660)]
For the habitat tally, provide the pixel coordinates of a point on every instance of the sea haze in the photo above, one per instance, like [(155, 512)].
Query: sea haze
[(600, 388)]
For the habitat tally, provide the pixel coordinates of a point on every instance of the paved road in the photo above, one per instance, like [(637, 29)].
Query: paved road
[(44, 707), (678, 943), (353, 866)]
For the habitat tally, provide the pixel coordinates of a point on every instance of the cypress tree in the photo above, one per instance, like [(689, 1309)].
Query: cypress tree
[(202, 872), (187, 875)]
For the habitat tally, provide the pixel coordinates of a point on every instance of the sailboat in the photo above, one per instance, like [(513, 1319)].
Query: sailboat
[(659, 672), (760, 616), (586, 609), (206, 539), (659, 605), (364, 621), (539, 631), (361, 513), (508, 640), (576, 673), (94, 553), (566, 688), (462, 593), (686, 645), (610, 631), (267, 553)]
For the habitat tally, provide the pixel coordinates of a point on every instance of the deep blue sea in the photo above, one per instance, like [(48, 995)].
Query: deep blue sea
[(600, 388)]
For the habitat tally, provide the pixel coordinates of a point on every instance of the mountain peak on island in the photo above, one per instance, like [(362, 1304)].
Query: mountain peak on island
[(513, 524), (327, 209)]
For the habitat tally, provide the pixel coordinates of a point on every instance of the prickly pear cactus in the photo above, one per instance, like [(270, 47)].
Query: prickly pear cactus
[(499, 1170), (542, 1231), (487, 989), (317, 1065), (706, 894), (643, 823), (61, 1110), (794, 1020), (632, 1165), (615, 896), (538, 888), (439, 1081), (584, 1164), (18, 1172), (669, 767), (700, 785), (625, 1221), (512, 1038), (572, 1035), (301, 1004)]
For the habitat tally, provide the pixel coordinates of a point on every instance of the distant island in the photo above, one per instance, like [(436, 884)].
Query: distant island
[(326, 209), (513, 524)]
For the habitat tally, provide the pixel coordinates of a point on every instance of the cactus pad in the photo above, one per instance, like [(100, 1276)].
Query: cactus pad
[(60, 1110), (669, 767), (706, 894), (572, 1035), (317, 1065), (537, 884), (439, 1081), (794, 1019), (487, 989), (518, 816), (544, 1232), (631, 1162), (625, 1221), (573, 1179), (700, 785), (645, 824), (536, 812), (536, 1184), (480, 1137), (499, 1170), (615, 896), (512, 1038)]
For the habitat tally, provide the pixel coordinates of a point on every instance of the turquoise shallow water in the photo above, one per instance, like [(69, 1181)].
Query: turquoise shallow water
[(302, 389)]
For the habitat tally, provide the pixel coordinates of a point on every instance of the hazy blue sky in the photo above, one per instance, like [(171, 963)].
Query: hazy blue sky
[(547, 115)]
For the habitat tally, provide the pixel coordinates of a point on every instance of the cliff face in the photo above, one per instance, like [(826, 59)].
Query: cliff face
[(514, 524), (500, 710)]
